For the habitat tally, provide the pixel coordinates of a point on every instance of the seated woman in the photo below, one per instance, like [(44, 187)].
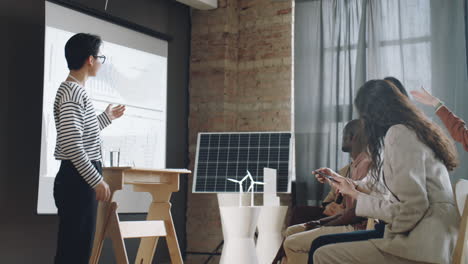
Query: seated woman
[(359, 235), (299, 237), (418, 156)]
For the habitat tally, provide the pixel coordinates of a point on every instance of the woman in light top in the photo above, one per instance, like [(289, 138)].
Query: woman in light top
[(79, 183), (412, 157)]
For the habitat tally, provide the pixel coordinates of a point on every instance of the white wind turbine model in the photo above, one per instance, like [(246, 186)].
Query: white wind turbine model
[(251, 187), (240, 187)]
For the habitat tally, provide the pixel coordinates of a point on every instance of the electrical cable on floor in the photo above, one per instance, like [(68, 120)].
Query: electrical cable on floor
[(214, 251)]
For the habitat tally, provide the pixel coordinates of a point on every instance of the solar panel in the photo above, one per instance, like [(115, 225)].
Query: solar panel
[(229, 155)]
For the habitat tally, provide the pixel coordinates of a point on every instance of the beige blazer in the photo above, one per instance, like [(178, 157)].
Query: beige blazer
[(421, 214)]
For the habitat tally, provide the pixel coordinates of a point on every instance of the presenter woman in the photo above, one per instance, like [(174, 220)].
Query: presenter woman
[(79, 183)]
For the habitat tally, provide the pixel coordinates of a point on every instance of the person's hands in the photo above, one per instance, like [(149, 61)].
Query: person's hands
[(424, 97), (312, 225), (332, 209), (345, 186), (327, 171), (102, 191), (114, 112)]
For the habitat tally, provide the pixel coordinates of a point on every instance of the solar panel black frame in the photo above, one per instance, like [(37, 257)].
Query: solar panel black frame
[(229, 154)]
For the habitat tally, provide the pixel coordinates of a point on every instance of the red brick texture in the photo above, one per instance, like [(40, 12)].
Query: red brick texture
[(240, 80)]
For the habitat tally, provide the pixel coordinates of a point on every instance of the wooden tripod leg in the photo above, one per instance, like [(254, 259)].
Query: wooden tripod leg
[(146, 250), (115, 234), (101, 225), (160, 209), (104, 213), (148, 244), (171, 239)]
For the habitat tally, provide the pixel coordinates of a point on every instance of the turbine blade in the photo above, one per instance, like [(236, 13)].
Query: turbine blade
[(245, 177), (250, 175)]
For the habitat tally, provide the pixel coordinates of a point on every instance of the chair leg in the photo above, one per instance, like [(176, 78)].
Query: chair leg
[(459, 254)]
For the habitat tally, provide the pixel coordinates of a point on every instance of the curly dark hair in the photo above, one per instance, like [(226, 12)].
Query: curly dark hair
[(381, 105)]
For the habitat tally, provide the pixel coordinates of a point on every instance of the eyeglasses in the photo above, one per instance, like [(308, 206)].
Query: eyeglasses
[(101, 58)]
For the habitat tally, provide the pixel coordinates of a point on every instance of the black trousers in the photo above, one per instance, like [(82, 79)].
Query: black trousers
[(77, 208)]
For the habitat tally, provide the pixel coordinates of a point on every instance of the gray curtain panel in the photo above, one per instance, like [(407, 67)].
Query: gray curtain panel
[(341, 44)]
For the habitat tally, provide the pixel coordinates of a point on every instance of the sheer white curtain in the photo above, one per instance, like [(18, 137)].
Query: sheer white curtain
[(326, 35), (341, 44)]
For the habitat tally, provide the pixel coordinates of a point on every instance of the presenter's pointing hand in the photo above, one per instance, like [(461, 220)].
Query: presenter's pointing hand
[(114, 112), (102, 191)]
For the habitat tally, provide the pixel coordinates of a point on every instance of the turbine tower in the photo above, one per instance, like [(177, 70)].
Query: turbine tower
[(240, 187)]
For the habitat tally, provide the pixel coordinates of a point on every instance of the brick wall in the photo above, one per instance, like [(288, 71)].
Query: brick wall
[(240, 80)]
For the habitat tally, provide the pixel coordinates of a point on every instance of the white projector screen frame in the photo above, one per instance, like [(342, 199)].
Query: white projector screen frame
[(145, 116)]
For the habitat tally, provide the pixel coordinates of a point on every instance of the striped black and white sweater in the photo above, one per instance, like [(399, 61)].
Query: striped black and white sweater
[(78, 129)]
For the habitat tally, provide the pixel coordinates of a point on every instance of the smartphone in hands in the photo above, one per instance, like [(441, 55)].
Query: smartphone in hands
[(326, 176)]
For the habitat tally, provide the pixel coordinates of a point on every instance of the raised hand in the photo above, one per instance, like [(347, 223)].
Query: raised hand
[(425, 97), (114, 112)]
